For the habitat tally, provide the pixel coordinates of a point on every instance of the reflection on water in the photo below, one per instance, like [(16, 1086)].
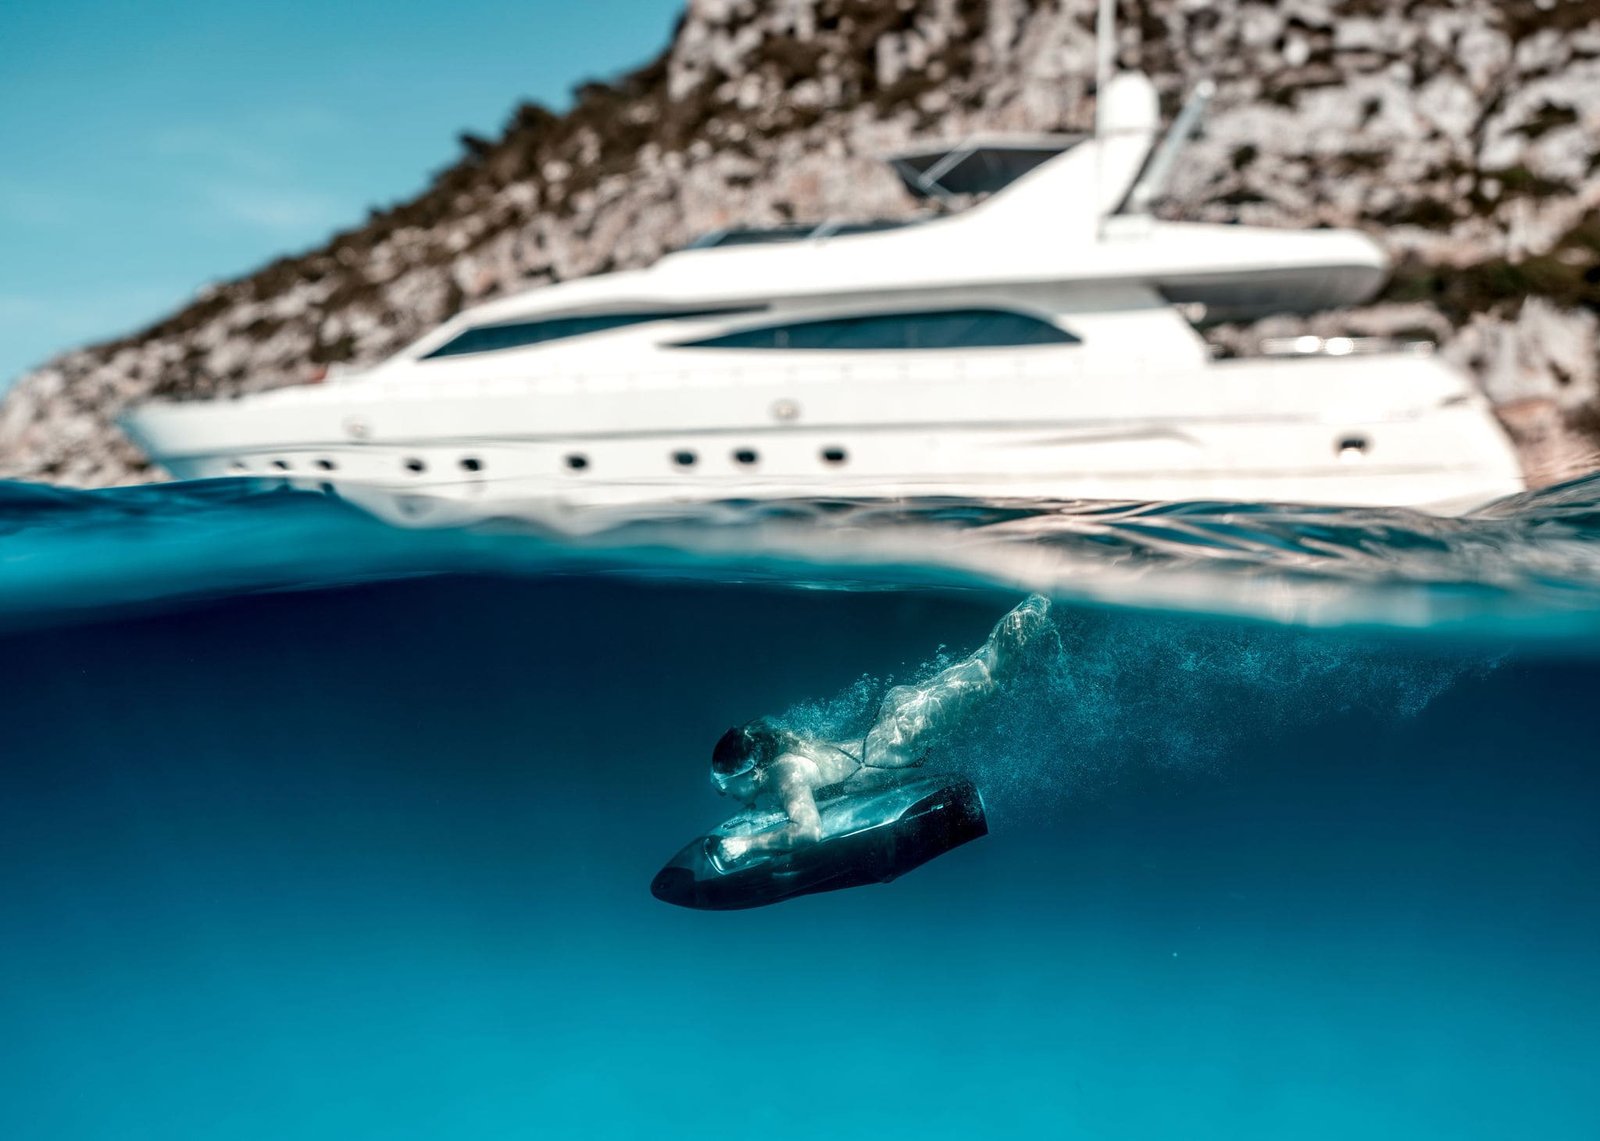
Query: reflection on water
[(1526, 568), (314, 828)]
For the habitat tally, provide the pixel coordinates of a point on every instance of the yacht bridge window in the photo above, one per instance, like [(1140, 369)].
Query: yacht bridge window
[(976, 166), (520, 334), (931, 329)]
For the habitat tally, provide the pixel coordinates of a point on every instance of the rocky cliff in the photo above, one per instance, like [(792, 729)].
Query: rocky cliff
[(1465, 134)]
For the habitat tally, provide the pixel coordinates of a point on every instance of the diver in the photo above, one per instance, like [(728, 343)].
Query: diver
[(762, 764)]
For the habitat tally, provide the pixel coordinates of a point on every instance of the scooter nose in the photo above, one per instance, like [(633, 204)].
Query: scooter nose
[(674, 885)]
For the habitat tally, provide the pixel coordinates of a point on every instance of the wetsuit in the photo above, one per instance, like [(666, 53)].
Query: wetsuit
[(911, 717)]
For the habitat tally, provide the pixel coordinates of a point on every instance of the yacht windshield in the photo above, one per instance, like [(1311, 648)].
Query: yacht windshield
[(976, 167)]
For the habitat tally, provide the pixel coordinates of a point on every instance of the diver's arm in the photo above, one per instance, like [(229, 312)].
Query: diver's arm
[(794, 778), (805, 822)]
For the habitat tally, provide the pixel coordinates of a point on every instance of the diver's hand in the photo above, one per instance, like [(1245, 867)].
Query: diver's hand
[(731, 849)]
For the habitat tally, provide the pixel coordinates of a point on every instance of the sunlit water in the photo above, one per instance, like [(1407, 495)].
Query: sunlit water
[(312, 827)]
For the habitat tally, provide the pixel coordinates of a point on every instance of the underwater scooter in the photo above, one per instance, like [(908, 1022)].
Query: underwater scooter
[(869, 835)]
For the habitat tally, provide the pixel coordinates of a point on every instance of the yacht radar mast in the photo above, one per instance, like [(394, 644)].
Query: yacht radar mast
[(1105, 44)]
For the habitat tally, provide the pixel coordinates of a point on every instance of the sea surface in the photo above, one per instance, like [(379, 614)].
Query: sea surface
[(314, 827)]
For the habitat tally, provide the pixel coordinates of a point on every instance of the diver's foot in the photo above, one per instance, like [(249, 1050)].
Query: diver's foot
[(1024, 627), (1026, 622)]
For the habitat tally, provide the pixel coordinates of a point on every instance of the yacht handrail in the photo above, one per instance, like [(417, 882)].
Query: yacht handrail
[(1153, 182), (928, 180)]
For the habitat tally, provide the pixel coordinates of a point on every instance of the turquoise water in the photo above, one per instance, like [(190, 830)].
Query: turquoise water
[(313, 827)]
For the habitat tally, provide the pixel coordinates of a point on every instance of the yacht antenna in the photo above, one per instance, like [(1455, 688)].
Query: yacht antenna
[(1105, 43), (1105, 62)]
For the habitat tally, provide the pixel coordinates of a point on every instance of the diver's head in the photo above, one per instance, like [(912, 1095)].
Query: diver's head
[(741, 756)]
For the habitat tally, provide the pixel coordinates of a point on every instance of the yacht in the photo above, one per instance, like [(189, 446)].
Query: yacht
[(1040, 343)]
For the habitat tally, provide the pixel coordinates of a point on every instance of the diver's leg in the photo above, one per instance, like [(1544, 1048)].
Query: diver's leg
[(1025, 625), (912, 715)]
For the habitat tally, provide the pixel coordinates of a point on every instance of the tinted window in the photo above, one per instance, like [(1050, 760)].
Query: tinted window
[(723, 238), (492, 338), (939, 329)]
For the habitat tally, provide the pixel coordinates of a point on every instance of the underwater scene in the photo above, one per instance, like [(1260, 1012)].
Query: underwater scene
[(1281, 822)]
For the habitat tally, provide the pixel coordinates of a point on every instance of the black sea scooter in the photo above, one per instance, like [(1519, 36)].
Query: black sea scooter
[(872, 832)]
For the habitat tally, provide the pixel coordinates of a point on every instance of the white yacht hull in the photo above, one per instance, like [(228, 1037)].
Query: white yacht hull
[(1392, 431)]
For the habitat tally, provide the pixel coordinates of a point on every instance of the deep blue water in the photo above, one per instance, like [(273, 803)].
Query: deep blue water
[(314, 828)]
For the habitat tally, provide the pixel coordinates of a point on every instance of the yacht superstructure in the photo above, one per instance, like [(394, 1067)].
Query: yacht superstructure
[(1036, 344)]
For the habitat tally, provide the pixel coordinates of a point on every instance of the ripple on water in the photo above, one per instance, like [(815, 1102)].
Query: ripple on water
[(1526, 568)]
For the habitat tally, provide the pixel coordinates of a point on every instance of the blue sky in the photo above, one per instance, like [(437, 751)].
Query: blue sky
[(148, 148)]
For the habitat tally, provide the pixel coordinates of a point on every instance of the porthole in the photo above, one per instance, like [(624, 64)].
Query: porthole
[(471, 463), (326, 465), (577, 461), (745, 456), (1352, 447), (238, 465), (834, 456), (416, 466), (684, 458), (281, 465)]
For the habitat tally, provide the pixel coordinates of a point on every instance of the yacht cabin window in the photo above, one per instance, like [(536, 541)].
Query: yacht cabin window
[(932, 329), (520, 334)]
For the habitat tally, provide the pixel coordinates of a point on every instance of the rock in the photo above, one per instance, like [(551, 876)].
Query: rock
[(1551, 451)]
